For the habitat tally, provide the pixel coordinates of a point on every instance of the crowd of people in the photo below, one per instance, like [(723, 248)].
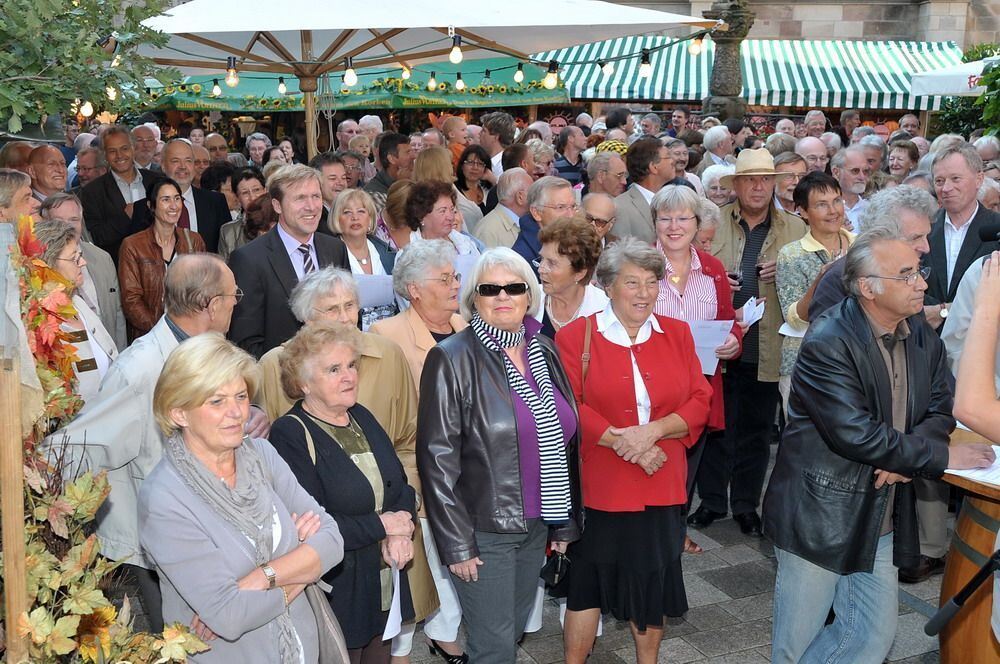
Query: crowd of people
[(417, 367)]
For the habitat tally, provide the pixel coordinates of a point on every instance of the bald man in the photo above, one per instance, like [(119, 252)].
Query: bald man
[(47, 170), (15, 155)]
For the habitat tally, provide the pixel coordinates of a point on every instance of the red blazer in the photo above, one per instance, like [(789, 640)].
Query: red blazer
[(712, 267), (673, 378)]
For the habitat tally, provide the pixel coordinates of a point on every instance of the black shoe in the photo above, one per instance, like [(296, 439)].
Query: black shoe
[(926, 568), (435, 649), (704, 517), (749, 524)]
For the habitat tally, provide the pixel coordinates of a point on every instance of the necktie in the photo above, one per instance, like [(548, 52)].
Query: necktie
[(185, 220), (307, 261)]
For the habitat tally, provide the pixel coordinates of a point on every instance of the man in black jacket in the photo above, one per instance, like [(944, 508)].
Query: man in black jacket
[(870, 408), (268, 268), (204, 211)]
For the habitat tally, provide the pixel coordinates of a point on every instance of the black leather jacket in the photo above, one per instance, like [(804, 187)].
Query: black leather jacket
[(467, 452), (821, 503)]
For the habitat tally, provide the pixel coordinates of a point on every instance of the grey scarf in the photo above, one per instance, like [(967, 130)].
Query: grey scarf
[(247, 507)]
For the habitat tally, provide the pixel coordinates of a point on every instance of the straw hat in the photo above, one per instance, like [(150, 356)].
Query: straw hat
[(752, 162)]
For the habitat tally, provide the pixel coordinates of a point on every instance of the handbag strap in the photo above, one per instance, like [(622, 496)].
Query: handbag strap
[(585, 360), (310, 445)]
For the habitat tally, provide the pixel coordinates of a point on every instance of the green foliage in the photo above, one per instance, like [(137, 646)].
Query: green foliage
[(963, 115), (51, 56)]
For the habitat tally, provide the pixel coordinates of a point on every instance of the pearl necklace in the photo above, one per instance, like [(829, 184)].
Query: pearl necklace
[(558, 323)]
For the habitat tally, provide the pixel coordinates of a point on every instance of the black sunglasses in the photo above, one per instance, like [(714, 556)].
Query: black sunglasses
[(492, 290)]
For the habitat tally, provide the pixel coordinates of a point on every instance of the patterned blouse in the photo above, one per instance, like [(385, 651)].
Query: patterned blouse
[(798, 264)]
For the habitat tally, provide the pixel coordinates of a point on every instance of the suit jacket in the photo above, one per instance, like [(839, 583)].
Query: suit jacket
[(199, 554), (263, 270), (938, 288), (634, 216), (527, 245), (707, 161), (496, 229), (102, 272), (104, 212), (213, 212)]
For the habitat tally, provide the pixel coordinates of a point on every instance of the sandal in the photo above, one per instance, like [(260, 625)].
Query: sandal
[(690, 546)]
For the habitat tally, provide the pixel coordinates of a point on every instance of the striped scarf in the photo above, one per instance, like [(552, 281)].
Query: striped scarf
[(556, 501)]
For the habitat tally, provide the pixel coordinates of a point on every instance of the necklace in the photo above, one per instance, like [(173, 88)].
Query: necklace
[(558, 323), (363, 261)]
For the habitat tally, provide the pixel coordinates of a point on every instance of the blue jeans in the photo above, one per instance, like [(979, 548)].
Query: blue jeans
[(866, 605)]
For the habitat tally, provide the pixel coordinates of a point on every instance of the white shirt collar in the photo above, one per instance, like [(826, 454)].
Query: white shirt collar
[(646, 193), (612, 329), (510, 213), (947, 218), (291, 244)]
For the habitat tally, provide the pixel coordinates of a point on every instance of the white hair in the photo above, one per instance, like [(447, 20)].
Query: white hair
[(371, 121), (714, 136), (509, 260), (715, 172), (989, 184)]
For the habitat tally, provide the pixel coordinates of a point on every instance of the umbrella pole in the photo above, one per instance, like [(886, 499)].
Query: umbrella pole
[(12, 503), (308, 88)]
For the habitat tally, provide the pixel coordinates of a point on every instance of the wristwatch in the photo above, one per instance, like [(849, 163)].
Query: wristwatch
[(272, 578), (944, 311)]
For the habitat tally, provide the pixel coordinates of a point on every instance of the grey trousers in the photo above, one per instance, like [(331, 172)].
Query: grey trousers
[(932, 516), (496, 607)]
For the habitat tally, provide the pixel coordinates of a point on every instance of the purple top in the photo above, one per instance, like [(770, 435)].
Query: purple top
[(527, 434)]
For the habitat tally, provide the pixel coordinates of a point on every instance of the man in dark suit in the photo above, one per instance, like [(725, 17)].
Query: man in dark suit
[(954, 246), (268, 268), (114, 205), (204, 211)]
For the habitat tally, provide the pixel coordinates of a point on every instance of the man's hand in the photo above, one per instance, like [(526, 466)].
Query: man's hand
[(932, 312), (883, 477), (767, 271), (975, 455), (258, 426), (467, 570)]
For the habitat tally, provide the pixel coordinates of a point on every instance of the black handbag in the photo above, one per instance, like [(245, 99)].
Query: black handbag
[(555, 569)]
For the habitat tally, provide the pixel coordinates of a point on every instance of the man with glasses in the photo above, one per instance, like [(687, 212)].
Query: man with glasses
[(599, 210), (116, 430), (90, 165), (796, 168), (814, 152), (144, 139), (852, 171), (549, 198), (114, 205), (870, 408), (607, 174)]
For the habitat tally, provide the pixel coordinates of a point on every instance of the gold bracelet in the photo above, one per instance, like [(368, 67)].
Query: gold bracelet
[(285, 593)]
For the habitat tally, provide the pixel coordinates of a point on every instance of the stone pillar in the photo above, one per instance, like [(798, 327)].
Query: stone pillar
[(727, 78)]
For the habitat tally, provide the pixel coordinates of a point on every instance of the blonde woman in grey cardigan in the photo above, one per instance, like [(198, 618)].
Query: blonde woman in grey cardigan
[(233, 536)]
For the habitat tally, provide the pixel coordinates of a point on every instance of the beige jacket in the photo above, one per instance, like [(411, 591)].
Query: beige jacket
[(409, 331), (728, 248)]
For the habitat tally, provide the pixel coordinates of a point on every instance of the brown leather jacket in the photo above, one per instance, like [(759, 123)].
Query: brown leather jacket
[(141, 272)]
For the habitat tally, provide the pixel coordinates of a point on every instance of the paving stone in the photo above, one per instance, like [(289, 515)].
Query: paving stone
[(764, 652), (546, 649), (700, 562), (672, 651), (928, 590), (710, 617), (725, 532), (749, 608), (738, 554), (910, 638), (702, 539), (926, 658), (761, 544), (741, 580), (732, 639), (702, 593), (744, 657)]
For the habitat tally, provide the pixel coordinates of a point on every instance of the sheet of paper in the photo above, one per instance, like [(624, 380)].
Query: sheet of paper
[(753, 311), (375, 289), (989, 475), (709, 335), (394, 623), (789, 331)]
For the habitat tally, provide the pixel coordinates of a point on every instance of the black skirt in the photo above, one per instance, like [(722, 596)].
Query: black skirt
[(628, 564)]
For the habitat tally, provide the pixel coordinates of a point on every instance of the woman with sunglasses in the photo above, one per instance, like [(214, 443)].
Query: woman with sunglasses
[(144, 257), (95, 348), (497, 453)]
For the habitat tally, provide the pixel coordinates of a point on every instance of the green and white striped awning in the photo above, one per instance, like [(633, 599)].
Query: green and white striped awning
[(804, 73)]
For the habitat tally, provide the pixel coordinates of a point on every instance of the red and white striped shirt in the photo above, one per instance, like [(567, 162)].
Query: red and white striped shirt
[(699, 301)]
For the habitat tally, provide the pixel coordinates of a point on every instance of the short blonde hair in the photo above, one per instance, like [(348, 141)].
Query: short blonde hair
[(510, 260), (194, 371), (299, 354), (433, 163), (345, 197), (290, 175)]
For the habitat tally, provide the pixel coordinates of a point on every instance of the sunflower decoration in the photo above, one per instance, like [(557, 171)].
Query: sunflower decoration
[(502, 89), (94, 632), (442, 87), (154, 95), (182, 88), (169, 90), (196, 88), (276, 103)]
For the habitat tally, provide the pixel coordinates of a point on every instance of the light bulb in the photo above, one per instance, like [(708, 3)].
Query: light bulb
[(645, 68), (459, 83), (75, 106), (608, 68), (282, 88), (406, 74), (232, 76), (486, 79), (216, 89), (695, 47), (551, 79), (87, 109), (519, 74), (111, 92), (455, 57), (350, 76), (432, 82)]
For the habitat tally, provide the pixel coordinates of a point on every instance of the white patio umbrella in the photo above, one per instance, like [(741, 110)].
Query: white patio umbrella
[(308, 39), (960, 81)]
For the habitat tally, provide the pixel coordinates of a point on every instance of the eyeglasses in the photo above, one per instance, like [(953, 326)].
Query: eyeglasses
[(75, 258), (474, 162), (563, 207), (447, 279), (675, 220), (909, 279), (493, 290), (598, 222), (238, 295)]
